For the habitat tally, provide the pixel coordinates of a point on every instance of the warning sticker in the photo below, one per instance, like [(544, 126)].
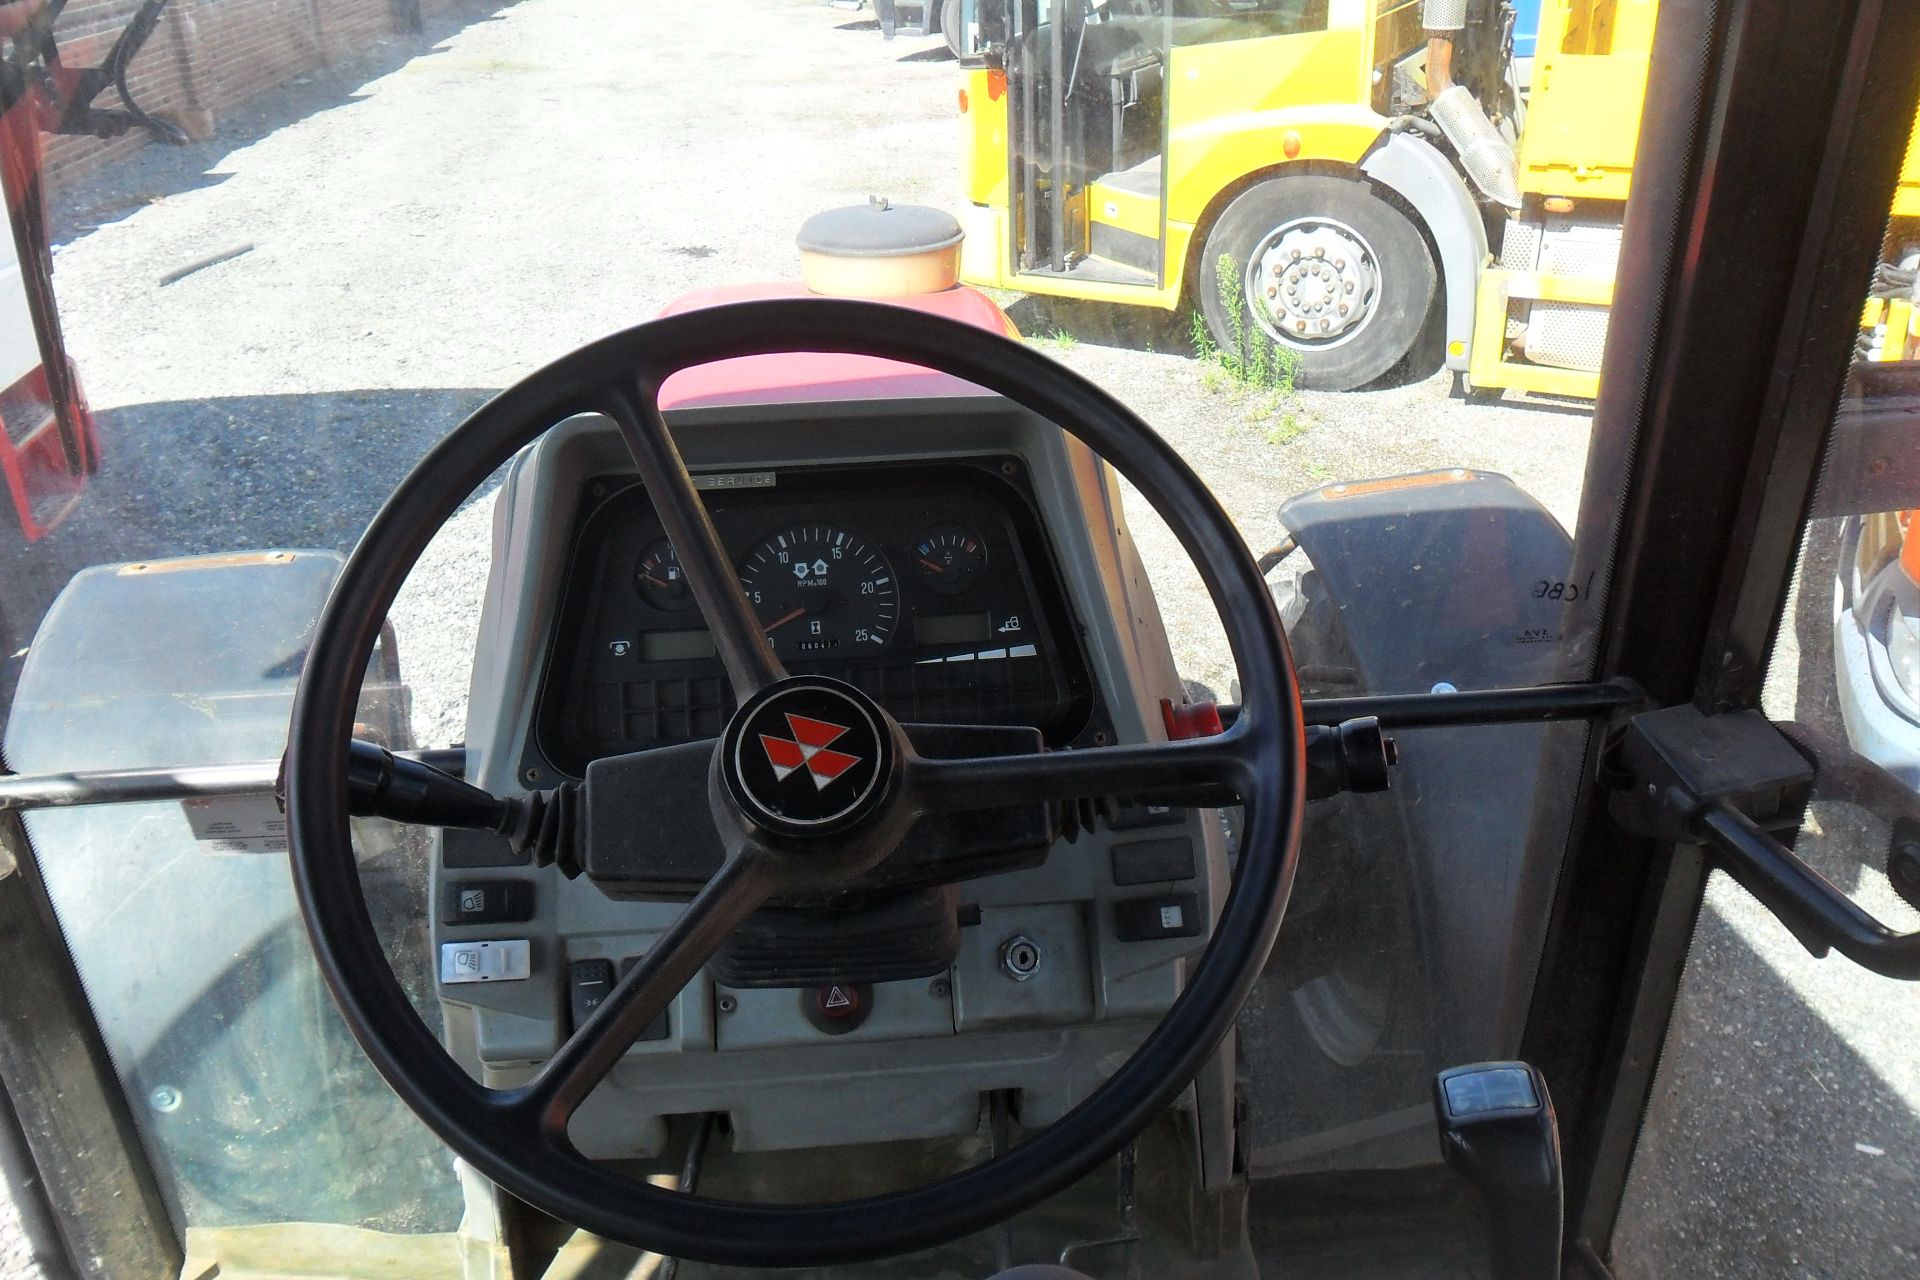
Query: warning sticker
[(237, 824)]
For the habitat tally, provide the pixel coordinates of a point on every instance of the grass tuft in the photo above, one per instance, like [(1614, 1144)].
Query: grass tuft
[(1252, 361)]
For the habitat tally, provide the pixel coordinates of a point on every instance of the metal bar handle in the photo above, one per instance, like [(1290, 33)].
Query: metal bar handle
[(1819, 915)]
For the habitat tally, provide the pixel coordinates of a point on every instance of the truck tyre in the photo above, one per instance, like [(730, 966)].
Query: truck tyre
[(950, 16), (1324, 266)]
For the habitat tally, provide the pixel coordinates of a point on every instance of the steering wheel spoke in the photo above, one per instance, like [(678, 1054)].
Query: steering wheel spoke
[(1214, 770), (735, 891), (737, 634)]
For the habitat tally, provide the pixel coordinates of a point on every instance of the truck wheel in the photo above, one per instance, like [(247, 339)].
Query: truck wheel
[(950, 25), (1326, 268)]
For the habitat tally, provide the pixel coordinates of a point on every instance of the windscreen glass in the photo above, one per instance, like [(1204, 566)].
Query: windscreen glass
[(1353, 262)]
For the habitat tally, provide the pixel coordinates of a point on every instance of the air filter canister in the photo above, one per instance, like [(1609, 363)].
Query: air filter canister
[(880, 250)]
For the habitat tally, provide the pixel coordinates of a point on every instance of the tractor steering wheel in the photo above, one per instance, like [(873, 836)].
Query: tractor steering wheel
[(518, 1137)]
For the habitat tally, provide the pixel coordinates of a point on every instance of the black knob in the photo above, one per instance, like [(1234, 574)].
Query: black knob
[(1354, 755), (1497, 1130)]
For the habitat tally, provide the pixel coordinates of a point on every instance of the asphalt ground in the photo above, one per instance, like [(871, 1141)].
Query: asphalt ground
[(438, 218)]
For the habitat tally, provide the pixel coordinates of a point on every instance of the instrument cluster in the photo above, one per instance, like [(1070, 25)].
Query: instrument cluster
[(929, 587)]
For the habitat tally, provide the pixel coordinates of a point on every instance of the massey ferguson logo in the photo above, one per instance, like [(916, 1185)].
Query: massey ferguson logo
[(807, 749)]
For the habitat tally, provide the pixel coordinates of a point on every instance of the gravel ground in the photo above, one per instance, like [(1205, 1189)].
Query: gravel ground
[(16, 1256), (433, 221)]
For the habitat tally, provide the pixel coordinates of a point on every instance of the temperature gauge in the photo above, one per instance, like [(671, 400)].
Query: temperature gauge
[(661, 582), (949, 558)]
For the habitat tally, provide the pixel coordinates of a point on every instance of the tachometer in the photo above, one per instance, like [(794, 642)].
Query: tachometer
[(820, 592)]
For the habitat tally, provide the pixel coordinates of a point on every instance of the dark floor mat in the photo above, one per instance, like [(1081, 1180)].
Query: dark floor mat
[(1412, 1226)]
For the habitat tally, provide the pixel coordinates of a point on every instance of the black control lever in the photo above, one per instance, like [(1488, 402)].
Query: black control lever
[(1729, 781), (381, 784), (1497, 1130), (1354, 755), (1848, 776)]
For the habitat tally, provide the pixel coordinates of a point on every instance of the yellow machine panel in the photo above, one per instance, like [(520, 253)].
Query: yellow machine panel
[(1583, 110), (1906, 196), (1499, 288), (1218, 131), (1136, 211), (983, 134)]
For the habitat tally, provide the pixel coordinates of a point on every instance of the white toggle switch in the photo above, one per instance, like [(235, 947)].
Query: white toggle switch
[(505, 961)]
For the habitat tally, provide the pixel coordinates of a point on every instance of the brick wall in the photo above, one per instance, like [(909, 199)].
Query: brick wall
[(209, 56)]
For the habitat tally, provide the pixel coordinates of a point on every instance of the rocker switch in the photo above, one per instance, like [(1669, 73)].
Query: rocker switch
[(1173, 915), (509, 960), (488, 902), (588, 982)]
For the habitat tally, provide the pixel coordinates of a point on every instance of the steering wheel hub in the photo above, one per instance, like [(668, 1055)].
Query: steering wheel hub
[(809, 757)]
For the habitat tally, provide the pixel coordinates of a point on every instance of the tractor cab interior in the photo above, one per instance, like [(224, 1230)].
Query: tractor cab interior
[(827, 855)]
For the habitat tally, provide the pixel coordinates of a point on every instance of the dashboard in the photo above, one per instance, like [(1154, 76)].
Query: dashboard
[(930, 588)]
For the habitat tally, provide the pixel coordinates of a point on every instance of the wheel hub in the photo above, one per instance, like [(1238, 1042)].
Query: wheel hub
[(1313, 283)]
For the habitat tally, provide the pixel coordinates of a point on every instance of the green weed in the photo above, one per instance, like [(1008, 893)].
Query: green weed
[(1287, 428), (1251, 361)]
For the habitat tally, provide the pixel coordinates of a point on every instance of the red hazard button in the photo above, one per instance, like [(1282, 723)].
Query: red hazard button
[(838, 1007)]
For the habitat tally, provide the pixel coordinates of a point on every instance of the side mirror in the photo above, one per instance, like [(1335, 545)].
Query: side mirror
[(981, 30)]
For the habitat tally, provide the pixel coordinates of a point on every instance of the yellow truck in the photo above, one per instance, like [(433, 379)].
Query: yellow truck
[(1890, 326), (1367, 182)]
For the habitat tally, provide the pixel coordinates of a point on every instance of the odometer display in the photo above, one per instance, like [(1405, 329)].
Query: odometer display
[(819, 591)]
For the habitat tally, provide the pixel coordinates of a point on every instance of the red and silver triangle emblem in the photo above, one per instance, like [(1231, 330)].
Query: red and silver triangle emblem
[(808, 749)]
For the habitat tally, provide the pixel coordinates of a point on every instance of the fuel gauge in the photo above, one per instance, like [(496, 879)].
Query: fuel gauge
[(659, 578), (949, 558)]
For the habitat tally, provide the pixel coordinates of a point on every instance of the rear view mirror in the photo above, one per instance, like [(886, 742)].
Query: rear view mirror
[(975, 30)]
